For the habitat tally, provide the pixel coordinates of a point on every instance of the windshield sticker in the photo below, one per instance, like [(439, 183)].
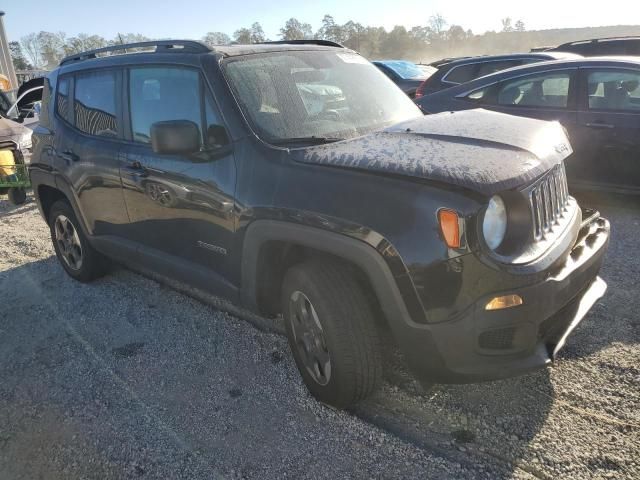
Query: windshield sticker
[(351, 58)]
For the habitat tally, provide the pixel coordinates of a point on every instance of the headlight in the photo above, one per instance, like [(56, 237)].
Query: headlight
[(494, 225)]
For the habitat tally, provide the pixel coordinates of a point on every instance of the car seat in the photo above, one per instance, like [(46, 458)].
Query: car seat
[(510, 96)]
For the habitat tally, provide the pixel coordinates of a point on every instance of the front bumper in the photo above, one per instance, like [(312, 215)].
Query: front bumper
[(484, 345)]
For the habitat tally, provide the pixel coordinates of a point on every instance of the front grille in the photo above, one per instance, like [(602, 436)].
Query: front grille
[(548, 199), (498, 339)]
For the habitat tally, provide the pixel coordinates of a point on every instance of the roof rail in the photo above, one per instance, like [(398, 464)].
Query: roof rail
[(185, 46), (311, 41), (603, 39)]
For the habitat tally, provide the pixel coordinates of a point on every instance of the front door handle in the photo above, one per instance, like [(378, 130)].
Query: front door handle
[(136, 169), (69, 156), (599, 125)]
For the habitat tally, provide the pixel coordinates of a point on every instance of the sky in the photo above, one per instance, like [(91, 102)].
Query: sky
[(193, 18)]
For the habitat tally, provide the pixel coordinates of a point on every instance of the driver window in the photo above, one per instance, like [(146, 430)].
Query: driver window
[(546, 90), (162, 93), (614, 90)]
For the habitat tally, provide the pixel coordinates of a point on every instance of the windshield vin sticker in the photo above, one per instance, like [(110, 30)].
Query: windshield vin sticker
[(351, 58)]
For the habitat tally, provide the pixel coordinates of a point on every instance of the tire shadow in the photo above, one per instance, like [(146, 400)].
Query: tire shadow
[(485, 427)]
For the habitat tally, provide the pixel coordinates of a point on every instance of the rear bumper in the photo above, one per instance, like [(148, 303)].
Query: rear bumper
[(484, 345)]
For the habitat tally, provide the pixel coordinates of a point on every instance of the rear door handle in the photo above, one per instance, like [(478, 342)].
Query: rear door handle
[(599, 125), (69, 156)]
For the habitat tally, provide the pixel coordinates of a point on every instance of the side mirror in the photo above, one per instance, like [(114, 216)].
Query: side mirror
[(175, 137), (217, 136)]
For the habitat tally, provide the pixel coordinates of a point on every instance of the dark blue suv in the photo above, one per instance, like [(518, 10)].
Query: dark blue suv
[(266, 175)]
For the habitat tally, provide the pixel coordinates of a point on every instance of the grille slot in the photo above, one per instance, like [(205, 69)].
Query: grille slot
[(499, 339), (548, 200)]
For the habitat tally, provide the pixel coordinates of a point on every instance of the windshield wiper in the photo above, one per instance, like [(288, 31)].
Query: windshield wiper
[(312, 140)]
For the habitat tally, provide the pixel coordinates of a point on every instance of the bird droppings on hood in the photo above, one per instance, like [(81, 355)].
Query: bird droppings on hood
[(483, 151)]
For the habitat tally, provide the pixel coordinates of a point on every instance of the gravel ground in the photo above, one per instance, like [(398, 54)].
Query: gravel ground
[(127, 378)]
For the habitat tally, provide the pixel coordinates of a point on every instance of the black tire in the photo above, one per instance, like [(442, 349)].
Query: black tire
[(92, 264), (17, 196), (348, 332)]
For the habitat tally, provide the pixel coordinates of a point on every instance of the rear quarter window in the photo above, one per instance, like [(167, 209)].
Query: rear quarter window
[(62, 98), (461, 74)]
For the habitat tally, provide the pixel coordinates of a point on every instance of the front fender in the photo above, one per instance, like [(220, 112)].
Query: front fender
[(380, 262), (414, 338)]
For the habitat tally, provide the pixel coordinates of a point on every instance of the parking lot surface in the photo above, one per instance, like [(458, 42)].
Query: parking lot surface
[(128, 378)]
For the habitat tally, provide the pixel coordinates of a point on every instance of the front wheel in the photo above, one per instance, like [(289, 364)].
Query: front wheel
[(332, 333), (78, 258)]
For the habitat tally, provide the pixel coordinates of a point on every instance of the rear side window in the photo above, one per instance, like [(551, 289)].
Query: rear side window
[(614, 90), (95, 104), (160, 94), (62, 98), (547, 90), (461, 74)]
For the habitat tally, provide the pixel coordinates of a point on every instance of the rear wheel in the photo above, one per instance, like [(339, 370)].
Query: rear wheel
[(331, 330), (79, 259)]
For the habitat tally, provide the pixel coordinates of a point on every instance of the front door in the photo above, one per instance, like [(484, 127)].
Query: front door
[(609, 127), (179, 205)]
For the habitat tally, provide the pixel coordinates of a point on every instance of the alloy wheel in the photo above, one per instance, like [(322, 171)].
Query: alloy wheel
[(68, 242), (309, 338)]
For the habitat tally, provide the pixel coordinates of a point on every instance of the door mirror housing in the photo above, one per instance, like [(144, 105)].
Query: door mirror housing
[(175, 137), (217, 136)]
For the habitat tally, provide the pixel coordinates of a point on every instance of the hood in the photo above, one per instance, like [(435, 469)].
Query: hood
[(483, 151), (11, 129)]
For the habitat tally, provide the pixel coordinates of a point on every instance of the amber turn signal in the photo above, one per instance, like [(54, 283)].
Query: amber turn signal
[(449, 227), (506, 301)]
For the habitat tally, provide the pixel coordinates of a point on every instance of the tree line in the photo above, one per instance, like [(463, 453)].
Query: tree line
[(436, 39)]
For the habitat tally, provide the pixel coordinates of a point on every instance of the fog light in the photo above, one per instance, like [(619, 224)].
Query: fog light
[(506, 301)]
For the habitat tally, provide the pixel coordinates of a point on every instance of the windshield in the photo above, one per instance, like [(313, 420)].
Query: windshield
[(406, 70), (315, 95)]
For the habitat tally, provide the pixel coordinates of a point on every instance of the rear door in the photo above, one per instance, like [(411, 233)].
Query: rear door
[(545, 95), (609, 127), (88, 144), (549, 95), (181, 206)]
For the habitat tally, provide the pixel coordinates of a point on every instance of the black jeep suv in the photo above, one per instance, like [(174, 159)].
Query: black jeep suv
[(268, 175)]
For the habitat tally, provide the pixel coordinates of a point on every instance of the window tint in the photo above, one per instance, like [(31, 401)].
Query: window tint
[(160, 94), (95, 104), (461, 74), (62, 98), (614, 90), (492, 67), (547, 90)]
